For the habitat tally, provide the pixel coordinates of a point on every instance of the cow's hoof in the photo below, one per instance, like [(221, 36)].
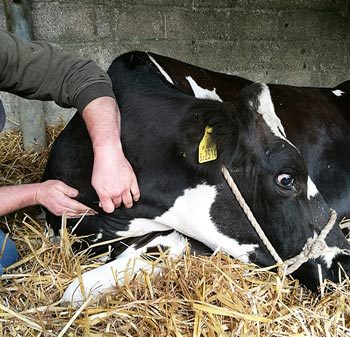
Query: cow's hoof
[(76, 296), (73, 294)]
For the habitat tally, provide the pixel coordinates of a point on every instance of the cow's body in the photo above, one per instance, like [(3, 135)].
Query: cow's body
[(163, 124)]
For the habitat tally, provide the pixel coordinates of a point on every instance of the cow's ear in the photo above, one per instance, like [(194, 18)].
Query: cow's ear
[(256, 98), (249, 97), (206, 134)]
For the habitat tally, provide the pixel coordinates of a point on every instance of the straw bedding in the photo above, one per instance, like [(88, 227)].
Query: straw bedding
[(193, 296)]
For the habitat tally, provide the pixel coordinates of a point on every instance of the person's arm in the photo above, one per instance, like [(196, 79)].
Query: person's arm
[(52, 194), (112, 177), (39, 71)]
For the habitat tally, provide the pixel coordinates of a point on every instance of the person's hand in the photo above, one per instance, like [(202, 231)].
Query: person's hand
[(56, 196), (113, 178)]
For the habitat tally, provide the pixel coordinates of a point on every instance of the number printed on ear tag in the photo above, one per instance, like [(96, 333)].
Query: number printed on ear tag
[(207, 148)]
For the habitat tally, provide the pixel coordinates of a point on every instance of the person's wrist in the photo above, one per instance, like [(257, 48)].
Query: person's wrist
[(108, 149), (37, 194)]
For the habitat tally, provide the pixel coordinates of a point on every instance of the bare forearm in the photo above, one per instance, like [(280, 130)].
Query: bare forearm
[(113, 177), (102, 119), (16, 197)]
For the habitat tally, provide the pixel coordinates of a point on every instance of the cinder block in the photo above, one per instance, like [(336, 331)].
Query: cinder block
[(235, 56), (230, 24), (326, 5), (2, 16), (58, 22), (309, 24), (102, 53), (103, 21), (219, 3), (138, 23), (159, 3), (333, 78), (179, 49)]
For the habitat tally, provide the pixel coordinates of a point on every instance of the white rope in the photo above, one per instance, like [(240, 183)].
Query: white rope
[(250, 215), (313, 247)]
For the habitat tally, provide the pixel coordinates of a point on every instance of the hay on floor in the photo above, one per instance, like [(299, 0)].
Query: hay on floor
[(193, 296)]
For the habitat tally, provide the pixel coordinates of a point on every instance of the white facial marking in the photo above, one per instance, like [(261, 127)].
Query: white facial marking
[(200, 92), (190, 215), (312, 190), (329, 254), (338, 92), (99, 280), (163, 72), (267, 110)]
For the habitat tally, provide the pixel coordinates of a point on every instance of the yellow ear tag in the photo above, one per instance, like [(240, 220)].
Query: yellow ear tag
[(207, 148)]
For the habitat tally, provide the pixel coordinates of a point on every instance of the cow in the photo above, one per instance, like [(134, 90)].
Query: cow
[(180, 126)]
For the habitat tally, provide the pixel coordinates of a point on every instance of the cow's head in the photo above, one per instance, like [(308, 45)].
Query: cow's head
[(273, 178)]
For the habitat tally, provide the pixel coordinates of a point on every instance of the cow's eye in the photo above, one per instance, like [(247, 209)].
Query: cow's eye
[(285, 180)]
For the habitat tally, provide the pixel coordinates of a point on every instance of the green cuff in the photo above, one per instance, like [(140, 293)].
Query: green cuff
[(93, 91)]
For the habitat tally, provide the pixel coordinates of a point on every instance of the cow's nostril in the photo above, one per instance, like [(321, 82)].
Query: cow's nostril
[(308, 275)]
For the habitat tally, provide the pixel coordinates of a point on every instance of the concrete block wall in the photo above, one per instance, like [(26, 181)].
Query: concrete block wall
[(300, 42)]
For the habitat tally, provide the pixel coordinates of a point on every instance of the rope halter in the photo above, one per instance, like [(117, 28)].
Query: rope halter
[(313, 247)]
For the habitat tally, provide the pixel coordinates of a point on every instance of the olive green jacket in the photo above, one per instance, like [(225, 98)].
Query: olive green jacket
[(37, 70)]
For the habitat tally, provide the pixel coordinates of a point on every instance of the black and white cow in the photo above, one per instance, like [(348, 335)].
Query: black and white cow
[(181, 199)]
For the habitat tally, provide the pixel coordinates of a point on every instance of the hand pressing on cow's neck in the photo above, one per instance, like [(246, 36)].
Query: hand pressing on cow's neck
[(112, 177)]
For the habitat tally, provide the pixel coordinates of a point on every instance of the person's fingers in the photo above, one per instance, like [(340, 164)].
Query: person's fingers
[(72, 215), (76, 214), (74, 206), (107, 204), (127, 199), (79, 215), (135, 190), (117, 201), (90, 212), (69, 191)]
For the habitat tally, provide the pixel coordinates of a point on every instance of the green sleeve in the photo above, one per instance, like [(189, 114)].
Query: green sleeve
[(36, 70)]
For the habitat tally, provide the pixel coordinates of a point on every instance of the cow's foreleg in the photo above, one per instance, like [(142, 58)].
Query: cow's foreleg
[(129, 263)]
